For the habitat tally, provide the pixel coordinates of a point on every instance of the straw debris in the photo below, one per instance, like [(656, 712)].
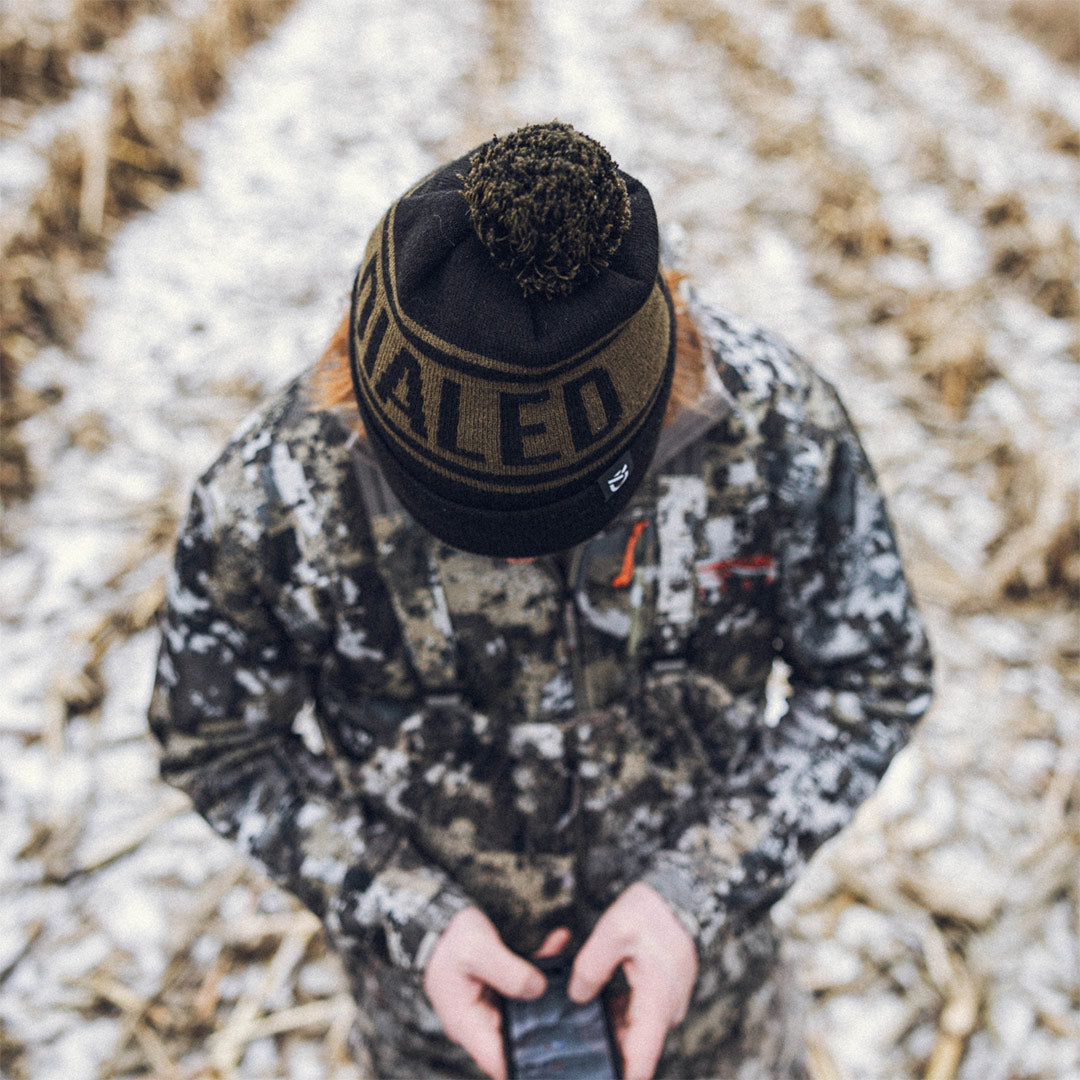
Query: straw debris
[(98, 173), (889, 184)]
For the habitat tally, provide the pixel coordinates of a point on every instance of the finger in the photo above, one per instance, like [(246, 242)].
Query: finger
[(641, 1046), (554, 943), (645, 1027), (506, 972), (486, 1047), (477, 1028)]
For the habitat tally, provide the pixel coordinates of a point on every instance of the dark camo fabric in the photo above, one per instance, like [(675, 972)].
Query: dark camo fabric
[(398, 729)]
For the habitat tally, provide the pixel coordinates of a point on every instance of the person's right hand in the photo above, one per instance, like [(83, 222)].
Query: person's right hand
[(641, 934), (468, 967)]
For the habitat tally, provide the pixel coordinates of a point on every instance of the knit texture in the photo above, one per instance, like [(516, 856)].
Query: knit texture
[(548, 203), (513, 342)]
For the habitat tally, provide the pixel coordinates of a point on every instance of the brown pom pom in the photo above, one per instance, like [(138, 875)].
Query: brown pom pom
[(549, 204)]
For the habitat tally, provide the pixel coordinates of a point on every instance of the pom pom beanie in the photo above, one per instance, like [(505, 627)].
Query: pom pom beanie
[(512, 343)]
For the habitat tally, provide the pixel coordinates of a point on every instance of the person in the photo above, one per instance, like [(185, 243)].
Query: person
[(473, 629)]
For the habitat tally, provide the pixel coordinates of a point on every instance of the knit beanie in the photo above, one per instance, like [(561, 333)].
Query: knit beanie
[(512, 343)]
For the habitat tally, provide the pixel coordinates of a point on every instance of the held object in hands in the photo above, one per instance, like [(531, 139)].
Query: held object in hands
[(554, 1037)]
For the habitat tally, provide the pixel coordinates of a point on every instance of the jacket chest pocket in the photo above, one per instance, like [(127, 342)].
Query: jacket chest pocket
[(736, 582), (612, 584), (635, 587)]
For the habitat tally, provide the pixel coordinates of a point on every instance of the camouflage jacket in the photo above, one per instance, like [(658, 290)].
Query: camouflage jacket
[(397, 729)]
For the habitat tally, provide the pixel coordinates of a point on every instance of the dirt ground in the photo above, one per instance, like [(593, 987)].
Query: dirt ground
[(186, 187)]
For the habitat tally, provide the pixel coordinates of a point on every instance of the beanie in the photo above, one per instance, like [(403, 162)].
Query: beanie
[(512, 343)]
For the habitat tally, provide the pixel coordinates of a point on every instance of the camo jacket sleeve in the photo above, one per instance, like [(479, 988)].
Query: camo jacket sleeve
[(860, 666), (232, 707)]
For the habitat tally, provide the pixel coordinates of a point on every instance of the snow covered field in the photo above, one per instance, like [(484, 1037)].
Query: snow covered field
[(891, 184)]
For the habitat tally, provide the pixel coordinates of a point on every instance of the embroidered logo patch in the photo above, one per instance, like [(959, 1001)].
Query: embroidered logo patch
[(617, 477), (617, 480)]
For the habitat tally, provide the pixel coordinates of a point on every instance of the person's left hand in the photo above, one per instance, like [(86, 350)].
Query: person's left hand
[(659, 958), (468, 967)]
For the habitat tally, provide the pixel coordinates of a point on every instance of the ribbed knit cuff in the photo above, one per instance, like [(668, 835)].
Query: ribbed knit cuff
[(672, 874), (413, 907)]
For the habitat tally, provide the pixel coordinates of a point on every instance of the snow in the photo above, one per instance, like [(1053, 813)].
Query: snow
[(230, 287)]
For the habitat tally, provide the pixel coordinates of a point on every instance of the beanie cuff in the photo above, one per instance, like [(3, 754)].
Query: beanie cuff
[(532, 531)]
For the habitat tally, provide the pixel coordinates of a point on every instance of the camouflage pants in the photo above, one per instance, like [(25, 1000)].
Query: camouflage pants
[(743, 1023)]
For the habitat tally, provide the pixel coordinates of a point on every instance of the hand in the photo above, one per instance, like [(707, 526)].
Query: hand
[(468, 967), (640, 932)]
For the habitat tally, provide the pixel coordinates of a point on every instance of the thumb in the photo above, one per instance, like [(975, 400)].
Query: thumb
[(511, 975), (604, 950)]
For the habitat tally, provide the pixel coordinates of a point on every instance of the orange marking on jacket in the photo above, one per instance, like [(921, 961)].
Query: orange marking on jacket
[(745, 568), (626, 574)]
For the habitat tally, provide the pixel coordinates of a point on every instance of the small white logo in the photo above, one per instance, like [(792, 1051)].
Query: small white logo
[(617, 480)]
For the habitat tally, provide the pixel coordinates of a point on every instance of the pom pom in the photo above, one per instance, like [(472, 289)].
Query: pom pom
[(549, 205)]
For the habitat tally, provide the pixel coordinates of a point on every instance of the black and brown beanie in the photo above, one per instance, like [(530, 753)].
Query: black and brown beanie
[(512, 343)]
